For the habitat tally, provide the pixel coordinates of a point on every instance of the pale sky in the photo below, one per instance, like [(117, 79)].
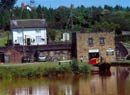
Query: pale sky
[(86, 3)]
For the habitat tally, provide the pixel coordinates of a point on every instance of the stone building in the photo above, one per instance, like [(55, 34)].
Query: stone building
[(86, 46)]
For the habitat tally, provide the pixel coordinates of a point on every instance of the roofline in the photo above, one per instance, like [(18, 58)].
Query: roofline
[(27, 27), (25, 19), (79, 32)]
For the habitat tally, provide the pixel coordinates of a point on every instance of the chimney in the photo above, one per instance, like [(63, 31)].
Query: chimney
[(72, 6), (22, 5)]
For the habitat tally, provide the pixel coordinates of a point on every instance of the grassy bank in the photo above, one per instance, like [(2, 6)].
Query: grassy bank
[(41, 70)]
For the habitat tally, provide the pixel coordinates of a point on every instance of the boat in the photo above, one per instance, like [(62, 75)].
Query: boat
[(103, 66)]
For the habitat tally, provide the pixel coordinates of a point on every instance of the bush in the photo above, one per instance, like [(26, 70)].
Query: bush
[(84, 68), (75, 66)]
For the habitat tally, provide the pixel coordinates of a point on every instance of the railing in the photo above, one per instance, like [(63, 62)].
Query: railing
[(128, 49), (122, 49), (126, 45)]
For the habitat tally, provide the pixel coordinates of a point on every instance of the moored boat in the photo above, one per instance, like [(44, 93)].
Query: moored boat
[(103, 66)]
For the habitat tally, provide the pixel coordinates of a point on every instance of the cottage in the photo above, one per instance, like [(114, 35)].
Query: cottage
[(86, 46), (29, 32)]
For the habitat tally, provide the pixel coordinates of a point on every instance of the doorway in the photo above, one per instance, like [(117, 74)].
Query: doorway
[(93, 55), (2, 57), (28, 41)]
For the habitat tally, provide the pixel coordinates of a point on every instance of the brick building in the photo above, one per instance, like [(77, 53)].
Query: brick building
[(93, 45)]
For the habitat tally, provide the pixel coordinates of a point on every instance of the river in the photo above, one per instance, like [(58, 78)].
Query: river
[(115, 82)]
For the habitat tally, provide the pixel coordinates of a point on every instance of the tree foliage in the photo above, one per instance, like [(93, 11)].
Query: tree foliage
[(5, 7), (93, 18), (7, 4)]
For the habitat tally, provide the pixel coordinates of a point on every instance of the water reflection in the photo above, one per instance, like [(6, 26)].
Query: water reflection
[(43, 90), (122, 75), (115, 82)]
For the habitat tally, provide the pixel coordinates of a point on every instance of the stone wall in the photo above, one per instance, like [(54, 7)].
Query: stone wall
[(57, 55), (83, 48)]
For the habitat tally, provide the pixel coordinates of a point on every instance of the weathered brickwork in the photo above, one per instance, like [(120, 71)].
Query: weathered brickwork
[(83, 48)]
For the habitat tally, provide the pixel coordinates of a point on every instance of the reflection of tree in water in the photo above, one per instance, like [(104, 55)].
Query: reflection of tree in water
[(104, 75), (100, 86), (53, 89), (104, 85), (75, 86), (122, 74)]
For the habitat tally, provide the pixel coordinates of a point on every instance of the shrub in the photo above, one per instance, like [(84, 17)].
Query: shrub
[(84, 68), (75, 66)]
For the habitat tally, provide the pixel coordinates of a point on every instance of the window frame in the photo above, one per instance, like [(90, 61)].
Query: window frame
[(102, 41), (38, 39), (90, 41)]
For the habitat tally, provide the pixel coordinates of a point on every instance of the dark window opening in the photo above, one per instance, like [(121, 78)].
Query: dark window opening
[(102, 41), (90, 41)]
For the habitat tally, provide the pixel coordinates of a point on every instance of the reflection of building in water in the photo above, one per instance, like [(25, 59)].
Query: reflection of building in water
[(116, 84), (99, 85), (41, 90), (66, 89), (52, 89)]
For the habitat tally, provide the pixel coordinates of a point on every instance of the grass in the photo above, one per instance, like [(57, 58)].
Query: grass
[(123, 61), (40, 69), (4, 38), (3, 41)]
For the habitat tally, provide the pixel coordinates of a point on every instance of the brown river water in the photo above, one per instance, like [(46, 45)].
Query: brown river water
[(115, 82)]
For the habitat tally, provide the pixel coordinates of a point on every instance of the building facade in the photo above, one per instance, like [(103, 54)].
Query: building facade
[(29, 32), (86, 46)]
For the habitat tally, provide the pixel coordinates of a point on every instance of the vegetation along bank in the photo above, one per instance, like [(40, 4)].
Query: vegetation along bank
[(42, 70)]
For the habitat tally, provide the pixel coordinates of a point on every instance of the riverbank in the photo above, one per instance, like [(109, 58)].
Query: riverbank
[(121, 63), (42, 69)]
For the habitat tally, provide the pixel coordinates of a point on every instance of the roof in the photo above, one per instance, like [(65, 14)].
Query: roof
[(28, 23)]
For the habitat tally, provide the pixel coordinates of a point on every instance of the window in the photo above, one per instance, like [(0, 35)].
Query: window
[(38, 39), (19, 31), (38, 31), (20, 39), (110, 52), (102, 41), (90, 41)]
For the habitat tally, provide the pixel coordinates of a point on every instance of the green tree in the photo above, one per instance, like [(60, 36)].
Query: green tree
[(34, 14), (4, 18), (7, 4), (39, 12), (26, 14), (79, 16), (17, 12), (61, 16), (104, 26)]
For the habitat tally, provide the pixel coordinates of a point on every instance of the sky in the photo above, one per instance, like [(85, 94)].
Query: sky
[(86, 3)]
